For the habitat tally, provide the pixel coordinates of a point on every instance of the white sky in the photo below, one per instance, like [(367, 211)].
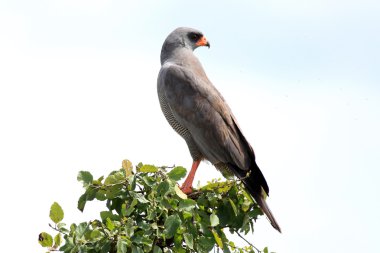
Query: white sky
[(78, 92)]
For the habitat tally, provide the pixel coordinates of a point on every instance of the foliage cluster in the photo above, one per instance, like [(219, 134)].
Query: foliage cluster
[(147, 212)]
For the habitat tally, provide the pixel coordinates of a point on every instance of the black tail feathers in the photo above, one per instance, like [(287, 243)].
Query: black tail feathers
[(265, 208), (257, 186)]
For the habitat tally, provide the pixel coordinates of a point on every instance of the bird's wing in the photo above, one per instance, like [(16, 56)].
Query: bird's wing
[(199, 107)]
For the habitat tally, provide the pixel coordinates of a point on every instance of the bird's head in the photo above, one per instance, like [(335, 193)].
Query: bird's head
[(184, 37)]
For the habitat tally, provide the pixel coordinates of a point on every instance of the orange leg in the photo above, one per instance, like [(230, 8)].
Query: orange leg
[(187, 185)]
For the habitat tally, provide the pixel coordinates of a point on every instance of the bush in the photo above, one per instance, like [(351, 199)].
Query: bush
[(147, 212)]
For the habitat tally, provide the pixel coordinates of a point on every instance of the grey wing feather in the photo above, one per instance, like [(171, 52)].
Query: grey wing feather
[(199, 107)]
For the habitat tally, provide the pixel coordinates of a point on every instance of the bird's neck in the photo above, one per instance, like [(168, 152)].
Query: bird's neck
[(183, 57)]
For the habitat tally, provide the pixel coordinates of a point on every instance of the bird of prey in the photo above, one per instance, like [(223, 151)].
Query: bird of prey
[(197, 111)]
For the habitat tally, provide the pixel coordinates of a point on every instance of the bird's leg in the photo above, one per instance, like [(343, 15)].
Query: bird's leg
[(187, 185)]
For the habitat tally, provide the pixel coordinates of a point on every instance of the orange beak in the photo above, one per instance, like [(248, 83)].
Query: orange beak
[(203, 42)]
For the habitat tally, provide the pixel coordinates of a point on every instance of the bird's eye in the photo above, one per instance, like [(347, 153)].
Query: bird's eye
[(194, 36)]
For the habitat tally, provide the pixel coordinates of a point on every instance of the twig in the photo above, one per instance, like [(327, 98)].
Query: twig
[(167, 167), (57, 229), (220, 185), (250, 244)]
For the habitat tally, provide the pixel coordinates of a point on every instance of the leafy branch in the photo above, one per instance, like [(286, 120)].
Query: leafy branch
[(147, 212)]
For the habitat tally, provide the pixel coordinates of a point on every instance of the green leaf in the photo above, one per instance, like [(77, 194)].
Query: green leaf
[(106, 247), (82, 202), (205, 244), (157, 249), (95, 234), (113, 191), (45, 239), (131, 208), (105, 214), (139, 197), (85, 177), (148, 180), (178, 239), (124, 209), (233, 207), (226, 242), (147, 241), (89, 195), (177, 173), (217, 238), (225, 214), (136, 249), (114, 178), (132, 186), (57, 240), (61, 225), (98, 181), (246, 205), (187, 215), (144, 226), (220, 187), (109, 223), (226, 249), (179, 192), (56, 212), (108, 214), (265, 250), (189, 240), (214, 220), (122, 246), (69, 245), (81, 229), (101, 195), (163, 187), (129, 228), (154, 225), (186, 204), (172, 223), (148, 168)]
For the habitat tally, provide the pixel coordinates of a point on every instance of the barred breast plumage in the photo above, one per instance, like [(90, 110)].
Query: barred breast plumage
[(181, 130)]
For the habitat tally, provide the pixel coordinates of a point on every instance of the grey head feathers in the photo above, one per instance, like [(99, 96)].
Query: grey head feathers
[(180, 39)]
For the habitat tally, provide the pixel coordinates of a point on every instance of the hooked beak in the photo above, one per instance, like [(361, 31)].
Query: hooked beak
[(203, 42)]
